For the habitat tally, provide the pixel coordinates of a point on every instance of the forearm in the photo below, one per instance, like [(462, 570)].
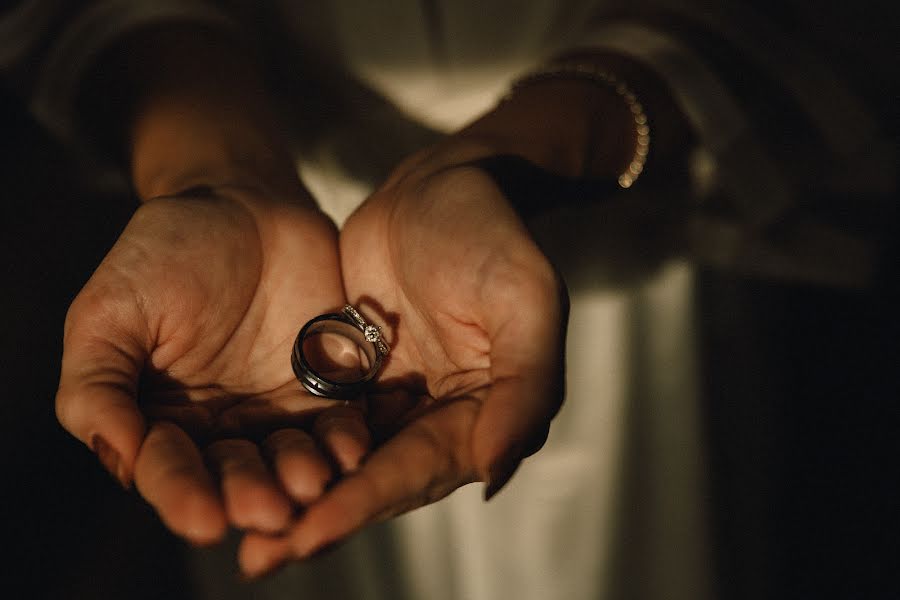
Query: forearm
[(197, 112)]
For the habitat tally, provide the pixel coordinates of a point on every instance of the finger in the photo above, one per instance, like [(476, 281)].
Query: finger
[(527, 383), (101, 364), (171, 476), (260, 554), (299, 464), (253, 499), (423, 463), (343, 432)]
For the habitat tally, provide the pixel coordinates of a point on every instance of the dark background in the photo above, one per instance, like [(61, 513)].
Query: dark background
[(801, 414), (71, 532)]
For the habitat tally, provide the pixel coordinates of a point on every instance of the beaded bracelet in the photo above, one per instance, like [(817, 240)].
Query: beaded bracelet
[(592, 73)]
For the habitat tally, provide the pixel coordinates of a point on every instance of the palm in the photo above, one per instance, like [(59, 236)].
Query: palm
[(435, 272), (474, 316), (226, 294), (189, 322)]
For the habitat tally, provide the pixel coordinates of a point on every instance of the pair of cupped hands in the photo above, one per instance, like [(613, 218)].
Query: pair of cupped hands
[(176, 367)]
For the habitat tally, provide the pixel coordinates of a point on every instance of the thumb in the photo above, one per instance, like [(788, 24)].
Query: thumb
[(103, 353), (526, 392), (513, 423)]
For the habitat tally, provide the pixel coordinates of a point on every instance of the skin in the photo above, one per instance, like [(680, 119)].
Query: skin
[(176, 357), (197, 305), (477, 315), (475, 374), (176, 354)]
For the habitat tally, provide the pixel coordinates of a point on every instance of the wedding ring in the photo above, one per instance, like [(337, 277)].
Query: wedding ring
[(349, 324)]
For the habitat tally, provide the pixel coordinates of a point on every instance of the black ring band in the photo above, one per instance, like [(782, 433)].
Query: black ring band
[(351, 325)]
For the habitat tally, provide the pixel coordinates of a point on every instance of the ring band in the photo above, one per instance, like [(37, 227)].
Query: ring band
[(350, 324)]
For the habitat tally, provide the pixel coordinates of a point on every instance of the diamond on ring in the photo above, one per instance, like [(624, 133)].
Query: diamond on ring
[(372, 333), (350, 324)]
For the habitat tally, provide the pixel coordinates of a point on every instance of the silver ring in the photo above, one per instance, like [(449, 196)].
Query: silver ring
[(350, 324)]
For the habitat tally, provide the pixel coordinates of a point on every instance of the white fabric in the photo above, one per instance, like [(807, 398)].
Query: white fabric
[(552, 535)]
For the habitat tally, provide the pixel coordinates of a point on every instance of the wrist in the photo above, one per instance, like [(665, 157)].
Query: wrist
[(178, 143), (197, 113), (587, 116), (569, 127)]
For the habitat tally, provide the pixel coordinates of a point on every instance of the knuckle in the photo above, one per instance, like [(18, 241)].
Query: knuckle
[(64, 408), (97, 304), (288, 438), (231, 447)]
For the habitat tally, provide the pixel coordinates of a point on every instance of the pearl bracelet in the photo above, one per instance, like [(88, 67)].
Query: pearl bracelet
[(592, 73)]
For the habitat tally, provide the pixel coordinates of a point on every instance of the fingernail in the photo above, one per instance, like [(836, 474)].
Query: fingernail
[(321, 550), (303, 549), (253, 575), (305, 491), (348, 450), (308, 547), (109, 458), (500, 474), (259, 571), (250, 578)]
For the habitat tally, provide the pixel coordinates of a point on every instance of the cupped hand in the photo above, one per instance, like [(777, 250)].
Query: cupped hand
[(176, 365), (475, 315)]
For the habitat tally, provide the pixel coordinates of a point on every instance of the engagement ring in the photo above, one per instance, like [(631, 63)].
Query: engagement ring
[(320, 357)]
